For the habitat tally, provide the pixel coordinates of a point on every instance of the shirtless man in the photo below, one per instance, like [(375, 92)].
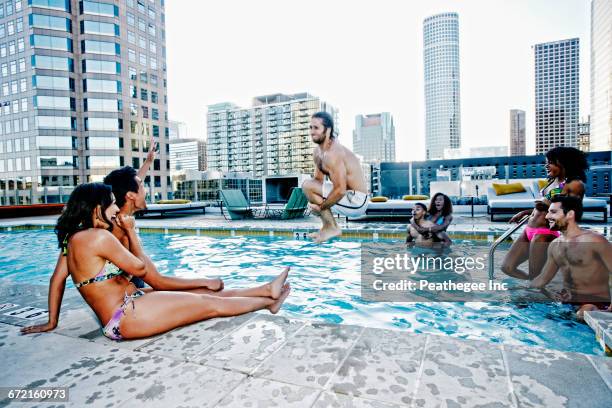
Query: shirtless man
[(583, 257), (346, 192), (425, 239)]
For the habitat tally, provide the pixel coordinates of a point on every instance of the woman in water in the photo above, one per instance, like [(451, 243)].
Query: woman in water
[(566, 171), (441, 215), (102, 268)]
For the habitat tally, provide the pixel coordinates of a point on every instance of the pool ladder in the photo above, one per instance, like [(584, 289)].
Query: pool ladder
[(500, 240)]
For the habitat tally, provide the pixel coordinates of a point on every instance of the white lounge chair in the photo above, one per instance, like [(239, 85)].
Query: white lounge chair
[(509, 203)]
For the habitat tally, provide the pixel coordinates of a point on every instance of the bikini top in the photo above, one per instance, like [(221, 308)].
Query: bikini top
[(108, 271), (439, 221), (552, 189)]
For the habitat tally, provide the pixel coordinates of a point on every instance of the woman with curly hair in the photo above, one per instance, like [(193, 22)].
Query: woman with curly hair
[(566, 174)]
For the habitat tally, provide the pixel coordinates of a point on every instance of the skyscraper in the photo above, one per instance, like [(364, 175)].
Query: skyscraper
[(601, 76), (374, 137), (556, 94), (517, 132), (442, 96), (83, 90), (269, 138)]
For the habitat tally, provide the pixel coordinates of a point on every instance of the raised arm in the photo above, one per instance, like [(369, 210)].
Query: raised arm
[(549, 270), (142, 172), (337, 175), (57, 284)]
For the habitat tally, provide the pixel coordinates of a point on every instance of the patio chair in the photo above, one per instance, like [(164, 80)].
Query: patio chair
[(237, 206), (295, 207), (509, 203)]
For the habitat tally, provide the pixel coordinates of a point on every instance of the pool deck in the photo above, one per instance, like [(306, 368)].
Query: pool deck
[(261, 360)]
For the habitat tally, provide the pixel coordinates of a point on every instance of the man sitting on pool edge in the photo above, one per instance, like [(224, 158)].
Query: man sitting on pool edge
[(584, 258), (126, 183)]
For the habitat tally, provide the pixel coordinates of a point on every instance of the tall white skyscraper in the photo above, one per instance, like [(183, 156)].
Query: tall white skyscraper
[(442, 88), (556, 94), (601, 76), (270, 138), (374, 137), (83, 89)]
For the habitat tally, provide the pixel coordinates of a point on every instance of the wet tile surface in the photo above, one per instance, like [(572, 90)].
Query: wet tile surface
[(383, 365), (462, 373), (550, 378), (295, 364), (187, 342), (190, 385), (312, 356), (259, 392), (246, 348), (333, 400)]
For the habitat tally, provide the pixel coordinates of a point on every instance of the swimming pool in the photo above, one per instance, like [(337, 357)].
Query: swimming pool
[(326, 286)]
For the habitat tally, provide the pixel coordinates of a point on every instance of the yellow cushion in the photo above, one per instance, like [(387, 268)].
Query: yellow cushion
[(415, 197), (379, 199), (542, 184), (177, 201), (502, 189)]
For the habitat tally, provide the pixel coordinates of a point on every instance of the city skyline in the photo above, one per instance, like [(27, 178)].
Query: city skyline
[(388, 79)]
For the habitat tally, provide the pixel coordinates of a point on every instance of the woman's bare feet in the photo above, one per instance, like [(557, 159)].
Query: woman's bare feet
[(276, 286), (275, 307)]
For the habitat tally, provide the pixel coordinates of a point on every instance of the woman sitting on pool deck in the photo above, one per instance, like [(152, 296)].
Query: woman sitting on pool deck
[(101, 268), (441, 215)]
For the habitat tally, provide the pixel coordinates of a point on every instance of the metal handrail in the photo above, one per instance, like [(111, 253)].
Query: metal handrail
[(500, 240)]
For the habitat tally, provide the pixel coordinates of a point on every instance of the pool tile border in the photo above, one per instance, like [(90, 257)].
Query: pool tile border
[(365, 234)]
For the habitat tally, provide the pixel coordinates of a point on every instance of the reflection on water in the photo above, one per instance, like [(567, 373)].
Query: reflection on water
[(326, 286)]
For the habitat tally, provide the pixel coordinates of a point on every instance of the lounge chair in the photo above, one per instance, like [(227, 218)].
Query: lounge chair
[(162, 209), (295, 207), (509, 203), (237, 206), (390, 209)]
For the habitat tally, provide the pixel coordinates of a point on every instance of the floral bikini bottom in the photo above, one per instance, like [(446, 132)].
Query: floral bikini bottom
[(111, 330)]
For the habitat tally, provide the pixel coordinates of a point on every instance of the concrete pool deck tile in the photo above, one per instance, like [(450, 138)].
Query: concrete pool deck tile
[(603, 365), (117, 380), (186, 343), (329, 399), (259, 392), (245, 348), (462, 373), (189, 385), (383, 365), (312, 355), (31, 364), (550, 378), (601, 323)]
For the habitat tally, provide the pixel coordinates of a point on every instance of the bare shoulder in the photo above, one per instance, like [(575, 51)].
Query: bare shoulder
[(591, 236), (91, 236)]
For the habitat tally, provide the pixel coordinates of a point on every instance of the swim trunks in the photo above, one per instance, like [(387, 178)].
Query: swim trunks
[(354, 203)]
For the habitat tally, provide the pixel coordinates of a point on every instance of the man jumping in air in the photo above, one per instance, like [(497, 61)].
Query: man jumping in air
[(346, 192)]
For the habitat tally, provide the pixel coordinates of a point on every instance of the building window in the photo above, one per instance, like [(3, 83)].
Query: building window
[(50, 22)]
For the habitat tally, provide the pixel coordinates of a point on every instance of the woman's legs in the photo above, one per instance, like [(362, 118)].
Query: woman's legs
[(271, 289), (158, 311), (538, 250), (519, 253)]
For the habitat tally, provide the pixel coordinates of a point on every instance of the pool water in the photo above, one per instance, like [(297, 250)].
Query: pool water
[(326, 287)]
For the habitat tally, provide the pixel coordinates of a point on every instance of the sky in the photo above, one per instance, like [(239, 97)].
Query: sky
[(364, 57)]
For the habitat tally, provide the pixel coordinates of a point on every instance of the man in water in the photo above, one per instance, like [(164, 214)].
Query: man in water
[(583, 257), (346, 192), (414, 237)]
